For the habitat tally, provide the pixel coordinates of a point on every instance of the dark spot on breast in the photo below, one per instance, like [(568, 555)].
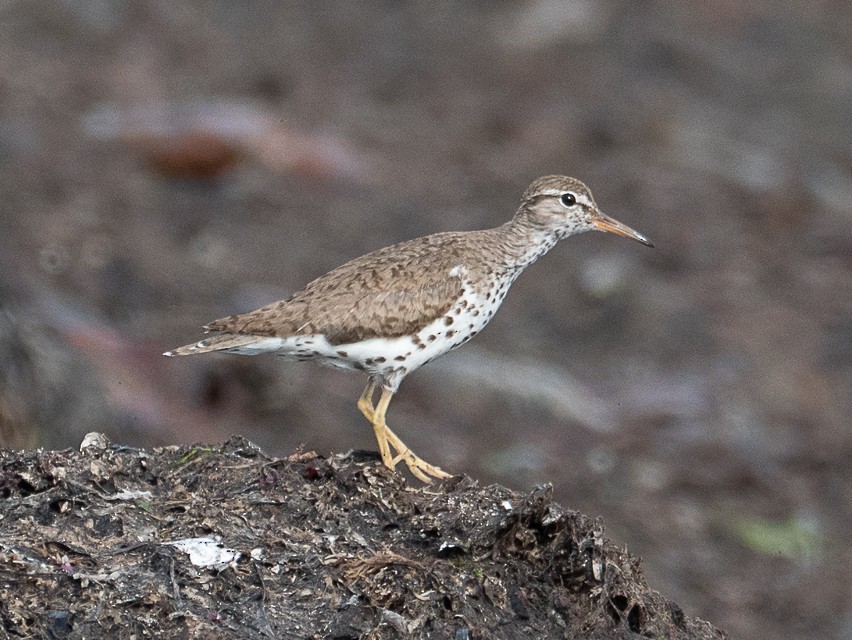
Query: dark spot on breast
[(380, 359), (431, 338), (475, 312), (451, 333), (400, 358), (368, 361), (421, 346), (358, 366), (473, 333), (343, 354), (448, 321)]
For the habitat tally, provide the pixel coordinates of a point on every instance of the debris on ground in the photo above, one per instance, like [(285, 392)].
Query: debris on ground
[(225, 542)]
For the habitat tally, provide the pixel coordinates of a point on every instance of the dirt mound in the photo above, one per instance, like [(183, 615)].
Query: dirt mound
[(219, 542)]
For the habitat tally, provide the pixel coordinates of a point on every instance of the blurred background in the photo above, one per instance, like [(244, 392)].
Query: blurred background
[(163, 164)]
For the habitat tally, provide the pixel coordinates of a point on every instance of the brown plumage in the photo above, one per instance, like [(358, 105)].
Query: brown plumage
[(384, 293), (390, 311)]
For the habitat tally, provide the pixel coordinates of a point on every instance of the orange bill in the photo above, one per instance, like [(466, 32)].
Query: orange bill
[(604, 223)]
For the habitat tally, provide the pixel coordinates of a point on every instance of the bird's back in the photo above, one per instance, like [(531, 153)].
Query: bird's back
[(390, 292)]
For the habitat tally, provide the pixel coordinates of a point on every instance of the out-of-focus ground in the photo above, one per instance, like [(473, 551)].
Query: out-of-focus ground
[(164, 164)]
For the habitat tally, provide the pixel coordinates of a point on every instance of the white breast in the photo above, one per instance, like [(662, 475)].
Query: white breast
[(393, 358)]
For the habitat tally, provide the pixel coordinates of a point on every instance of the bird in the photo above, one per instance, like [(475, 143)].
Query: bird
[(391, 311)]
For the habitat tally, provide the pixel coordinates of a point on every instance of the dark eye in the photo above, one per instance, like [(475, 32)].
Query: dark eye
[(568, 199)]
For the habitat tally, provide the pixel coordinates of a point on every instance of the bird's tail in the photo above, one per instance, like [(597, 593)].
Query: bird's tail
[(221, 342)]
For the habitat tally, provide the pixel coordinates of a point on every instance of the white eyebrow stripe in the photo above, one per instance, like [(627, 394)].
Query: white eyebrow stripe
[(581, 199)]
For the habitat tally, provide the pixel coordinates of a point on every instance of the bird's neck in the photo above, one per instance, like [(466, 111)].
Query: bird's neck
[(522, 243)]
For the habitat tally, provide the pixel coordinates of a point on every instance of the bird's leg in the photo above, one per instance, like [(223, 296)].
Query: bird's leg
[(365, 405), (386, 438), (365, 402)]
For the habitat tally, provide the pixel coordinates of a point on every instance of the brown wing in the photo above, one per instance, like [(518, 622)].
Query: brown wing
[(391, 292)]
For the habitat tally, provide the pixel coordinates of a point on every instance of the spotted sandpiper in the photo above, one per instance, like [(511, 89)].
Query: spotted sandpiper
[(391, 311)]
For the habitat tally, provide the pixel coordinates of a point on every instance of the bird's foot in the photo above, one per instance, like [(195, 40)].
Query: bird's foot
[(388, 440), (419, 468)]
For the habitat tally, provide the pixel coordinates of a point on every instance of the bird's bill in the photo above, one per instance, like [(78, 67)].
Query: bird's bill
[(603, 222)]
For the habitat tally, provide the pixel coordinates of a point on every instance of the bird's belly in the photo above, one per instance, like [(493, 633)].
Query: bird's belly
[(392, 358), (374, 356)]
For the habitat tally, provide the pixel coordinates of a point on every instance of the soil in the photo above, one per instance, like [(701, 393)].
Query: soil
[(227, 542)]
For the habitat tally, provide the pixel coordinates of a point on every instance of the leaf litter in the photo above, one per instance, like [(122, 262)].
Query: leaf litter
[(227, 542)]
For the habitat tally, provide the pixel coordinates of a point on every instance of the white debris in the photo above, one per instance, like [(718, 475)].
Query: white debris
[(130, 494), (94, 440), (206, 552)]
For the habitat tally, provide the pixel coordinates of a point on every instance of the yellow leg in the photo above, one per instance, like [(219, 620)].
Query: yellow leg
[(386, 438), (365, 402)]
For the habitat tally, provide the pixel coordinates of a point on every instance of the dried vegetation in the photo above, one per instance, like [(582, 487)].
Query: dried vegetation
[(221, 542)]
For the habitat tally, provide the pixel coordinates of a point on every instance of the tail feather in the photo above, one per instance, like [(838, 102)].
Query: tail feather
[(221, 342)]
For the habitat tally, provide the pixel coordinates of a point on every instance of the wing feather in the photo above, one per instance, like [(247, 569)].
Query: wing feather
[(391, 292)]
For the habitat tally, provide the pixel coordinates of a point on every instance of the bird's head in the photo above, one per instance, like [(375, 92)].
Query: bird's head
[(565, 206)]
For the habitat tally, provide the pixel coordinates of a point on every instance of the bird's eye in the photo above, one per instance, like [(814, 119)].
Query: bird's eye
[(568, 199)]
